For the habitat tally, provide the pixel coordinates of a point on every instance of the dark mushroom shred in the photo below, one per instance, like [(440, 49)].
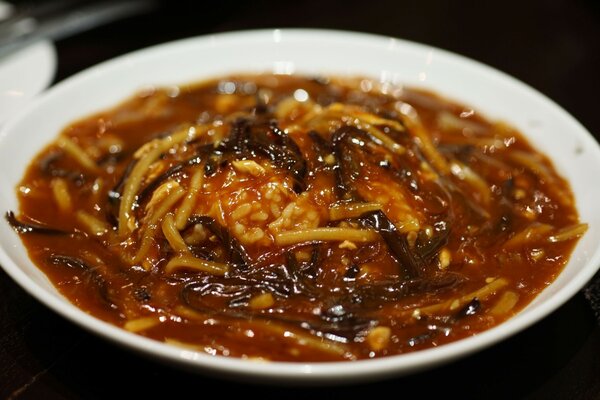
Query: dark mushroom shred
[(175, 169), (236, 254), (335, 320), (248, 139), (114, 194), (344, 142), (48, 167), (411, 262), (31, 227), (392, 291), (91, 273), (471, 308)]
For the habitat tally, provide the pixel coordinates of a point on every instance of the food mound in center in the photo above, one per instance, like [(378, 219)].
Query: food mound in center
[(294, 218)]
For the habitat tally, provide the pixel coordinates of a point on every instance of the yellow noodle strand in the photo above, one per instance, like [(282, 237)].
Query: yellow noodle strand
[(188, 261), (172, 235), (92, 224), (77, 153), (351, 210), (185, 210), (141, 324), (60, 190), (147, 154), (482, 293), (325, 234)]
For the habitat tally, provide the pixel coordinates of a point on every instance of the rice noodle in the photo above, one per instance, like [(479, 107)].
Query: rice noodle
[(325, 234), (141, 324), (533, 232), (437, 160), (535, 163), (507, 302), (185, 210), (165, 206), (302, 339), (299, 338), (361, 119), (60, 190), (464, 173), (148, 238), (172, 235), (481, 294), (77, 153), (93, 225), (185, 345), (132, 185), (152, 219), (147, 154), (351, 210), (189, 262), (343, 110), (568, 233)]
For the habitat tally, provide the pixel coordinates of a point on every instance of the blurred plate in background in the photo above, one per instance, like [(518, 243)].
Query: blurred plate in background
[(24, 73)]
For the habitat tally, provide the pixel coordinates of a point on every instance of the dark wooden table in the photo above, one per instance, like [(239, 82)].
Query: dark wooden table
[(552, 45)]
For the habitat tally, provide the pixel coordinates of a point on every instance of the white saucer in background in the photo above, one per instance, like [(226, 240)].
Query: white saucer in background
[(24, 73)]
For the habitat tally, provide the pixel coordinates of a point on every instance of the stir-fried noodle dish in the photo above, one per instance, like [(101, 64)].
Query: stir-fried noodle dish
[(295, 218)]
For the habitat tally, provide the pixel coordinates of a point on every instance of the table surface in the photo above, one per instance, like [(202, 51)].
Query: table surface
[(553, 46)]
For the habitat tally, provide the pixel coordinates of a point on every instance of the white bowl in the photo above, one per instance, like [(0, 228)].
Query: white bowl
[(575, 153)]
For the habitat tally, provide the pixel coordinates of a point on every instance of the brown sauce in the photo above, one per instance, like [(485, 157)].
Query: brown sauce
[(297, 219)]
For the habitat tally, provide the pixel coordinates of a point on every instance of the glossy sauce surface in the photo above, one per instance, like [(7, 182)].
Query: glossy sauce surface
[(299, 219)]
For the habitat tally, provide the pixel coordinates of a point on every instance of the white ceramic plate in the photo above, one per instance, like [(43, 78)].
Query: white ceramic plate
[(571, 147), (24, 73)]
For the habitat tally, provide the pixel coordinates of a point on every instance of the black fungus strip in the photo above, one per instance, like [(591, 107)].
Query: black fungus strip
[(313, 266), (149, 188), (260, 107), (344, 141), (471, 308), (431, 248), (302, 280), (283, 152), (342, 320), (212, 163), (285, 140), (249, 139), (114, 194), (422, 338), (110, 159), (46, 163), (142, 294), (412, 262), (294, 161), (236, 254), (351, 151), (67, 261), (29, 227), (117, 191), (346, 317), (368, 252), (239, 136), (351, 273), (94, 275), (336, 320), (371, 295), (321, 147), (48, 168)]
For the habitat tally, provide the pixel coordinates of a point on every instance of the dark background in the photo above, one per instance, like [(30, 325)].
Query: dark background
[(553, 46)]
